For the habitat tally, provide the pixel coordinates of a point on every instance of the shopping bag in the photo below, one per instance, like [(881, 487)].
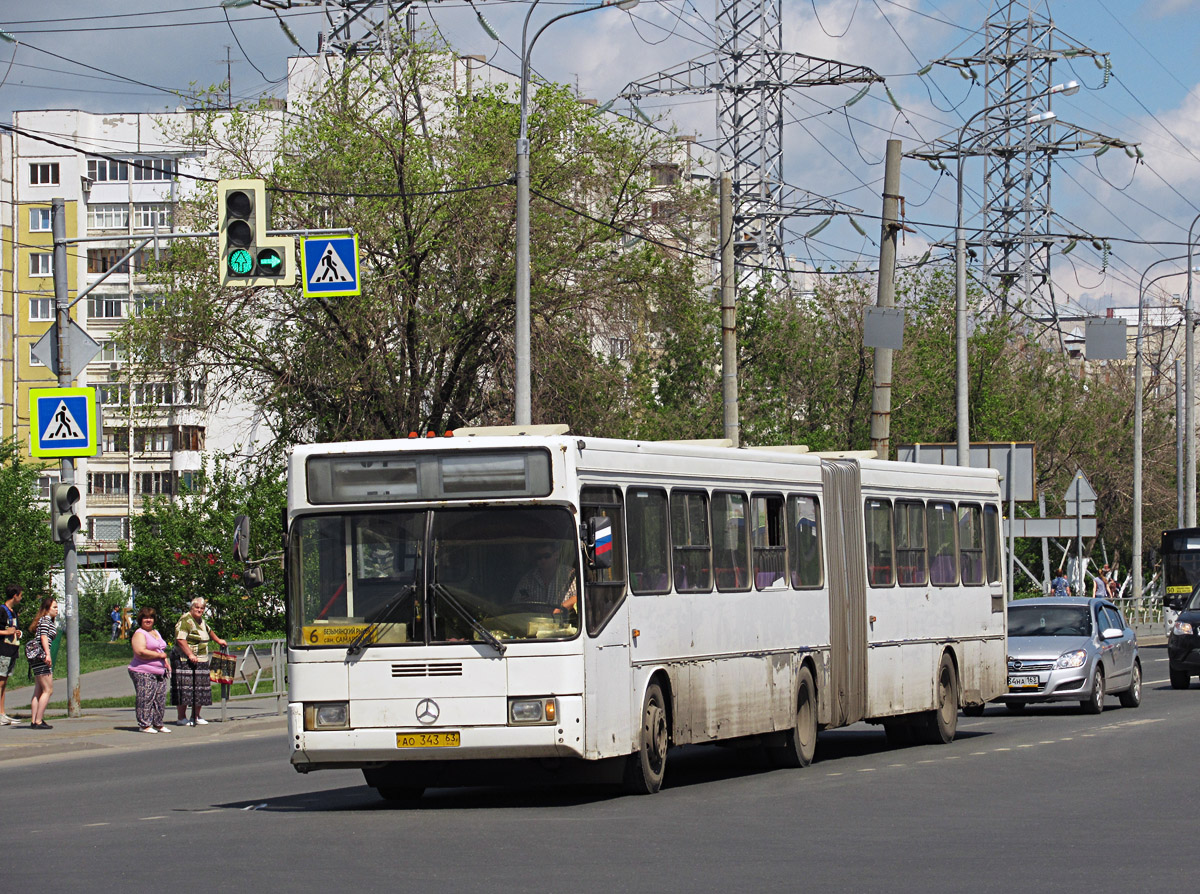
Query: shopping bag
[(222, 666)]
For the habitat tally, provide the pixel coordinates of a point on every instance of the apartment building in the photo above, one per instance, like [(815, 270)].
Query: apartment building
[(121, 178)]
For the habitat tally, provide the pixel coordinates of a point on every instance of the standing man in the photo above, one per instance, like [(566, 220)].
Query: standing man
[(115, 616), (10, 635)]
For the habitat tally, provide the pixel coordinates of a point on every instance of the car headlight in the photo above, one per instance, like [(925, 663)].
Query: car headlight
[(1071, 659), (1182, 628), (326, 715)]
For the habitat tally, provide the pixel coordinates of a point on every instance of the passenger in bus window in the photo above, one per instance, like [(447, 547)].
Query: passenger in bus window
[(550, 581)]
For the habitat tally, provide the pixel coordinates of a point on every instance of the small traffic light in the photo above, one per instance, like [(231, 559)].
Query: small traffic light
[(246, 254), (64, 521)]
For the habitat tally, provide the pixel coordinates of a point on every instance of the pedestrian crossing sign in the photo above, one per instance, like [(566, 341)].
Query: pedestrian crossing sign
[(63, 422), (330, 266)]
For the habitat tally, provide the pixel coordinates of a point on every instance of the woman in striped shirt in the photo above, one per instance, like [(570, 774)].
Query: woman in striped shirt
[(41, 662)]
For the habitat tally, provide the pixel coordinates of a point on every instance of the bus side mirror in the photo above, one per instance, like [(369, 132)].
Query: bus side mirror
[(252, 577), (241, 538), (599, 542)]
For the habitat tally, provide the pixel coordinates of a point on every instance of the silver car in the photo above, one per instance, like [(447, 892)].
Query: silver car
[(1072, 649)]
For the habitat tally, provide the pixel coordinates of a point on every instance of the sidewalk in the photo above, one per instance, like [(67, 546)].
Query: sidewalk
[(102, 728)]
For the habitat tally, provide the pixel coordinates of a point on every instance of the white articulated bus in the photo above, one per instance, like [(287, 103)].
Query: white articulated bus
[(462, 606)]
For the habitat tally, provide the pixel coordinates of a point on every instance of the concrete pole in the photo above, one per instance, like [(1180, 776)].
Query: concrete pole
[(1045, 547), (1180, 425), (729, 385), (1011, 484), (62, 324), (1189, 373), (881, 396)]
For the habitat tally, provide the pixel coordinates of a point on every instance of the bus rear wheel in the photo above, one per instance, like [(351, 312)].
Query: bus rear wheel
[(942, 722), (647, 766), (800, 742)]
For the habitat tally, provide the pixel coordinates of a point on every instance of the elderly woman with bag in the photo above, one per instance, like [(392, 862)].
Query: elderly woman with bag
[(191, 685)]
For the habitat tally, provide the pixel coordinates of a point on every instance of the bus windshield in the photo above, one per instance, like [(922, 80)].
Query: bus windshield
[(416, 577)]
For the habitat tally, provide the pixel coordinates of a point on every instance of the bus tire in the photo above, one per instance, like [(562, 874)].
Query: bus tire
[(800, 742), (942, 722), (646, 767), (1180, 679)]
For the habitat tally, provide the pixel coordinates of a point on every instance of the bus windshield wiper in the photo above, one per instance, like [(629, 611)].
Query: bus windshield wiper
[(367, 637), (484, 633)]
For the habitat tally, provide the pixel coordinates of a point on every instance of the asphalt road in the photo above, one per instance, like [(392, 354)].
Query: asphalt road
[(1048, 800)]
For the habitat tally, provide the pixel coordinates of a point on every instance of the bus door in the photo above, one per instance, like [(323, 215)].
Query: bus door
[(847, 578), (607, 672)]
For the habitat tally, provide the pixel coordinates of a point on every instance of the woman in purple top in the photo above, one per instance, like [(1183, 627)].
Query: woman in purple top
[(150, 673)]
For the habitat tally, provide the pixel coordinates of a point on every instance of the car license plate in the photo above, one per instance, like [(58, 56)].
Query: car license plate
[(427, 740), (1028, 682)]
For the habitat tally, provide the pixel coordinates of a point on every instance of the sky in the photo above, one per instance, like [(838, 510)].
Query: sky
[(136, 55)]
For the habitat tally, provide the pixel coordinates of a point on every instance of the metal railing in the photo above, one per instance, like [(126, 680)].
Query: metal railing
[(261, 672)]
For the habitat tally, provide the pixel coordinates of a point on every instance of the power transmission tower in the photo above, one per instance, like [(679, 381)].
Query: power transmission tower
[(749, 73), (1017, 58), (354, 27)]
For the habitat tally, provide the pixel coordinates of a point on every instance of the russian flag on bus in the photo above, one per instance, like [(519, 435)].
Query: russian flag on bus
[(603, 542)]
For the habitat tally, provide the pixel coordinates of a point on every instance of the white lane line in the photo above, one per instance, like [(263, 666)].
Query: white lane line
[(833, 774), (1153, 682), (1002, 749), (1048, 742), (979, 753), (1027, 745), (144, 818), (867, 770), (89, 825)]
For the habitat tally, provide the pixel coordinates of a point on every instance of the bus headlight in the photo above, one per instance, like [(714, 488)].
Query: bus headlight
[(326, 715), (532, 710)]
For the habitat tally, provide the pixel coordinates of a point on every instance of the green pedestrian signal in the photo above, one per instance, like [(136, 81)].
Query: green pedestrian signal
[(247, 256)]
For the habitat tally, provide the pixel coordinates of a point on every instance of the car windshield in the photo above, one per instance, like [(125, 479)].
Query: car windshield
[(416, 577), (1049, 620), (1193, 604)]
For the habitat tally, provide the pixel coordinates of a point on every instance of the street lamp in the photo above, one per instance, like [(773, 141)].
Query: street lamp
[(1136, 563), (1189, 378), (523, 408), (962, 419)]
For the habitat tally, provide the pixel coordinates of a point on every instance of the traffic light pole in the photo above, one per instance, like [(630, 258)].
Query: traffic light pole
[(66, 376)]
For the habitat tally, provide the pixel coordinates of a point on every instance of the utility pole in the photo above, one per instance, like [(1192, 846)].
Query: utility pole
[(62, 328), (881, 396), (729, 388)]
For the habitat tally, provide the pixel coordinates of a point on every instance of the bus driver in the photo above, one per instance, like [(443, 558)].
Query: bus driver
[(549, 582)]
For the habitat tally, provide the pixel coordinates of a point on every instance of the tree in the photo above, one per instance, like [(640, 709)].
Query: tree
[(422, 173), (29, 553), (182, 548)]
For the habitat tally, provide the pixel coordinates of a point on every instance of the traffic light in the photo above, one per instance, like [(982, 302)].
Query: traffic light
[(64, 521), (246, 254)]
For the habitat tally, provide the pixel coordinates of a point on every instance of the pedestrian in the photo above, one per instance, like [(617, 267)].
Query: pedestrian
[(192, 686), (10, 638), (1060, 586), (150, 673), (115, 616), (1110, 583), (41, 662)]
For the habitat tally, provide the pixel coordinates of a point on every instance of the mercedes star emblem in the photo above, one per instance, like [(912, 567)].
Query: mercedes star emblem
[(427, 711)]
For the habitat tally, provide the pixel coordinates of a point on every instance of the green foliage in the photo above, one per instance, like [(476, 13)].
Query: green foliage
[(28, 554), (97, 596), (181, 549)]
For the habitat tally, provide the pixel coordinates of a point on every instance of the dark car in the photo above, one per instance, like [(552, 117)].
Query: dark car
[(1183, 644), (1071, 649)]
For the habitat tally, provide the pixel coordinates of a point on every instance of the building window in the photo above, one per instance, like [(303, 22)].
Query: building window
[(116, 440), (152, 440), (665, 175), (148, 215), (618, 348), (191, 482), (45, 482), (110, 352), (43, 174), (39, 220), (41, 264), (157, 394), (154, 169), (144, 302), (156, 483), (101, 260), (108, 217), (114, 395), (108, 528), (113, 483), (33, 361), (41, 308), (104, 307), (189, 437), (104, 170)]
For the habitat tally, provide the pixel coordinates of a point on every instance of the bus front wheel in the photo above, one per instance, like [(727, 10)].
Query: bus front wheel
[(647, 766), (942, 722)]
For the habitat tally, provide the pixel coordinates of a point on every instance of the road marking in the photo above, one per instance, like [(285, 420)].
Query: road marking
[(89, 825), (144, 818), (978, 753), (833, 774), (867, 770), (1003, 749), (1027, 745), (1153, 682), (896, 766), (927, 762), (1047, 742)]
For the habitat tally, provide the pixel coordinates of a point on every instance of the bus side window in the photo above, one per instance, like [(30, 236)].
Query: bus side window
[(605, 587), (970, 543), (804, 550), (880, 565), (690, 541), (767, 538), (911, 552), (649, 544), (943, 548), (991, 543), (731, 547)]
